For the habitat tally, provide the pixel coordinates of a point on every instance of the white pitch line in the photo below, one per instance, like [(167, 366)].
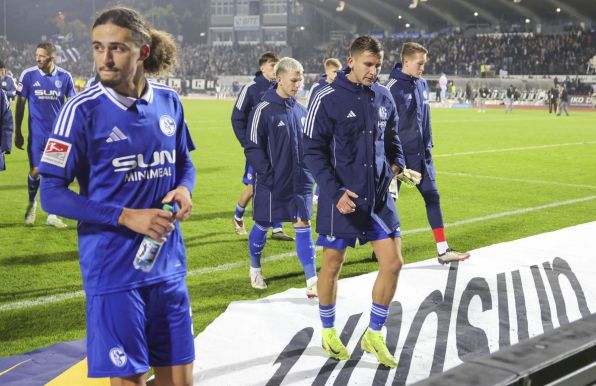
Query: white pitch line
[(224, 267), (513, 149), (522, 180)]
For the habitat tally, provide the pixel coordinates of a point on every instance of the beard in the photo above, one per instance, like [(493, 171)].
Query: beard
[(111, 83)]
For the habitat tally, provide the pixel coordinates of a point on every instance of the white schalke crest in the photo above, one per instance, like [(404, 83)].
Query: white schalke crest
[(58, 83), (167, 125), (118, 356), (383, 112)]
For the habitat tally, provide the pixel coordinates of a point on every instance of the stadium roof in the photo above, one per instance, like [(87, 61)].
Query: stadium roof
[(437, 14)]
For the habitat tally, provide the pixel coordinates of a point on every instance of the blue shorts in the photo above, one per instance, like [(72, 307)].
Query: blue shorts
[(249, 175), (129, 331), (373, 233), (35, 146)]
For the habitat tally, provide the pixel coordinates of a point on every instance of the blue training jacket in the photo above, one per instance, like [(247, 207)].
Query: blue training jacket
[(274, 148), (249, 97), (350, 142), (411, 97)]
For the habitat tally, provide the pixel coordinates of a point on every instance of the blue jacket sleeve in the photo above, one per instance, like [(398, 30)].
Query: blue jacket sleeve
[(256, 142), (56, 198), (393, 149), (240, 114), (318, 134), (185, 170), (6, 125)]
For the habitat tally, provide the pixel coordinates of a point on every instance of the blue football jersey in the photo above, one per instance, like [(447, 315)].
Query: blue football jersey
[(46, 94), (126, 152)]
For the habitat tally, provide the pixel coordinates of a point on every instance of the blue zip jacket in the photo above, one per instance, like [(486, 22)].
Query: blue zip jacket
[(411, 97), (350, 142), (6, 126), (249, 97), (315, 88), (274, 148)]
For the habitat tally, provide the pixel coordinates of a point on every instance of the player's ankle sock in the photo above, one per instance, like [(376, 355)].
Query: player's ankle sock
[(327, 314), (277, 227), (239, 213), (305, 250), (32, 186), (378, 316), (440, 239), (256, 243)]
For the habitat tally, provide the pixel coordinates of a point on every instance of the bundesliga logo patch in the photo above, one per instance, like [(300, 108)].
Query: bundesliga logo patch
[(56, 152)]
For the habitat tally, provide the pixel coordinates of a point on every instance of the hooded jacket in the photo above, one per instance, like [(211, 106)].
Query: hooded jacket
[(350, 143), (274, 148)]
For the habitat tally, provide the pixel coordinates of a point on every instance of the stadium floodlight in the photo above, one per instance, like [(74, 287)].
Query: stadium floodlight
[(399, 17), (407, 25), (558, 10), (527, 21), (476, 14), (340, 6)]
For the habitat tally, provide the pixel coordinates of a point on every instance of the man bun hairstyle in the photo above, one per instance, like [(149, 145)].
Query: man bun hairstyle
[(162, 55), (366, 43)]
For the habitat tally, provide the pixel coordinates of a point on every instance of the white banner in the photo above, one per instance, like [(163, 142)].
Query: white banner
[(439, 317)]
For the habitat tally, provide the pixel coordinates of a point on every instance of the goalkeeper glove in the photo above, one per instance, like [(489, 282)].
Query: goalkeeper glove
[(409, 177)]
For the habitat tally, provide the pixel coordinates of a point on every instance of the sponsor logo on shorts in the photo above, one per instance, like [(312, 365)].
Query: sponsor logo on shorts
[(56, 152), (118, 356), (330, 238)]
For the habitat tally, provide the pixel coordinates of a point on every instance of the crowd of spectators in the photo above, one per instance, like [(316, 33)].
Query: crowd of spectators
[(514, 54)]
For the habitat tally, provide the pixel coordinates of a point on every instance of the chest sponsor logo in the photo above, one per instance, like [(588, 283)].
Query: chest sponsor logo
[(56, 152), (47, 94), (138, 167), (167, 125)]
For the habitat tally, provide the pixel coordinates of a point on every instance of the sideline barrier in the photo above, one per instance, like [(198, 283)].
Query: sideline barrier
[(565, 356)]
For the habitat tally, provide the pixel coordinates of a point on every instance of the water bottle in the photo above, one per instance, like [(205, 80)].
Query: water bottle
[(149, 250)]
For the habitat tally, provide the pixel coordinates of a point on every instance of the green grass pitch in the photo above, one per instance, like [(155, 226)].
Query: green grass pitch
[(555, 163)]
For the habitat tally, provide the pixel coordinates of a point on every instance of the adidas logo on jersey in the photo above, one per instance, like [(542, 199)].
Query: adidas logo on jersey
[(281, 123), (351, 114), (37, 84), (116, 135)]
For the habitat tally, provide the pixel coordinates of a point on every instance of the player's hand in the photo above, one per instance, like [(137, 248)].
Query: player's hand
[(19, 141), (155, 223), (409, 177), (345, 205), (181, 196)]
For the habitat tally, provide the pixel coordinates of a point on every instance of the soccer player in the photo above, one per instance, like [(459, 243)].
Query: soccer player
[(410, 93), (248, 98), (126, 142), (331, 67), (509, 95), (283, 185), (7, 82), (46, 87), (563, 99), (6, 128), (352, 148)]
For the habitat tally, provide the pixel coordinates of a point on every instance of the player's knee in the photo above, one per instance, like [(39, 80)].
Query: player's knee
[(431, 197)]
